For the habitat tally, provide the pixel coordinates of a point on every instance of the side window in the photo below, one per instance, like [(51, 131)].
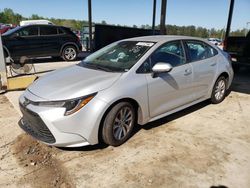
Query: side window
[(29, 31), (199, 50), (145, 67), (46, 30), (171, 52)]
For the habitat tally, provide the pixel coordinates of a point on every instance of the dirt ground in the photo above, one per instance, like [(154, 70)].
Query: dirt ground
[(203, 146)]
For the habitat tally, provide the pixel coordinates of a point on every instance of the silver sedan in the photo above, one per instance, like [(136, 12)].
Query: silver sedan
[(133, 81)]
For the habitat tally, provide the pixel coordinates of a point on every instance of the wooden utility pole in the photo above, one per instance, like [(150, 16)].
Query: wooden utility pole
[(154, 12), (90, 24), (230, 14), (163, 17)]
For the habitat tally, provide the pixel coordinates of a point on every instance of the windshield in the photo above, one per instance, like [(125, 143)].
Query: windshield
[(118, 57), (11, 31)]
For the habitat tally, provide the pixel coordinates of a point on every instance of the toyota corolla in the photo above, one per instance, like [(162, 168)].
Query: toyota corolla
[(133, 81)]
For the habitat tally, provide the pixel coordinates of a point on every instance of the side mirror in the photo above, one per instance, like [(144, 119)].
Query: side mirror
[(161, 68)]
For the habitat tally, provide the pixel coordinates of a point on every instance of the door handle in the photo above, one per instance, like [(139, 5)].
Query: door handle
[(187, 72), (213, 64)]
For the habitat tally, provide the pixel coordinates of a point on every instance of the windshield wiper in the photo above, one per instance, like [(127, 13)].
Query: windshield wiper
[(96, 66)]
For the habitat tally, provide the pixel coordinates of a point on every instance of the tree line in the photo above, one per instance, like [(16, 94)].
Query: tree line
[(9, 17)]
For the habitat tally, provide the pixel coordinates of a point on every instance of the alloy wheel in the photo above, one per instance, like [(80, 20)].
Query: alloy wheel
[(123, 123), (220, 90), (70, 53)]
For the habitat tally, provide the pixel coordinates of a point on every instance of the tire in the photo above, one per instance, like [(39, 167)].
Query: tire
[(219, 90), (116, 131), (69, 53)]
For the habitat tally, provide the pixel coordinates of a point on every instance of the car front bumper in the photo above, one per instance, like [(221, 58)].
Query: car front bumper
[(51, 126)]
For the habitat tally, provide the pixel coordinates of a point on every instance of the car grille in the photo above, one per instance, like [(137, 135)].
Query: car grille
[(34, 125)]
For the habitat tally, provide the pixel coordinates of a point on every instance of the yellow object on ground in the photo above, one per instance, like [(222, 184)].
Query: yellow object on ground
[(21, 82)]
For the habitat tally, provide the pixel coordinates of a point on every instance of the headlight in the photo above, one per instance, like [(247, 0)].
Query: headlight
[(71, 106), (75, 105)]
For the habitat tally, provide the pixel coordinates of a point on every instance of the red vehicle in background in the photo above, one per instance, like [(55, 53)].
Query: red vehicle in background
[(4, 28)]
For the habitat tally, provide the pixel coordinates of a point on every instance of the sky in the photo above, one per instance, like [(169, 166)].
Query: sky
[(204, 13)]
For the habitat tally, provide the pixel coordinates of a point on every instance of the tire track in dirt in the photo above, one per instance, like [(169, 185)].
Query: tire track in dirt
[(40, 162)]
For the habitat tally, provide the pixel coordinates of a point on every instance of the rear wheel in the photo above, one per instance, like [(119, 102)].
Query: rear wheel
[(118, 124), (69, 53), (219, 90)]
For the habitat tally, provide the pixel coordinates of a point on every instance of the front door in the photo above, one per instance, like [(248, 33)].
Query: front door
[(24, 42), (167, 91)]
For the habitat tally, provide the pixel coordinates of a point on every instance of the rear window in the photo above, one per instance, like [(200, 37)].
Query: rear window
[(68, 31), (60, 31), (48, 30), (199, 50)]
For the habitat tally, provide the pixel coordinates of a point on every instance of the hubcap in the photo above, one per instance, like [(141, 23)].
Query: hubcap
[(220, 90), (70, 53), (123, 123)]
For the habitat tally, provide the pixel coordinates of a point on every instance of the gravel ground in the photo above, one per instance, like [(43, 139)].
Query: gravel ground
[(203, 146)]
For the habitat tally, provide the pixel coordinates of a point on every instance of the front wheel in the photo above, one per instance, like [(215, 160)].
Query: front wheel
[(118, 124), (69, 53), (219, 90)]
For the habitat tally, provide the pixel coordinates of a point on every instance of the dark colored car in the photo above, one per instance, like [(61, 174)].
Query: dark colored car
[(239, 50), (41, 41)]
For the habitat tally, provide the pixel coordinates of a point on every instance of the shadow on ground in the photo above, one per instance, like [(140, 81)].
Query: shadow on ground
[(241, 82), (219, 186)]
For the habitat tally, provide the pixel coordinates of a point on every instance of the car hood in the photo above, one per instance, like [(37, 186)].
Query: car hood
[(72, 82)]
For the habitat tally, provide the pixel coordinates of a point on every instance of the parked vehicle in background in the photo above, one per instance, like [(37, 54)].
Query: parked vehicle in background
[(4, 28), (32, 22), (136, 80), (215, 41), (239, 50), (41, 41), (78, 33)]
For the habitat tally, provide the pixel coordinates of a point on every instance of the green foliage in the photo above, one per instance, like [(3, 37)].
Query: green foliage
[(239, 32), (8, 16), (199, 31), (104, 22)]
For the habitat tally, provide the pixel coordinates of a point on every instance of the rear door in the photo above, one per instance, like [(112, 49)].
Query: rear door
[(202, 58), (50, 41)]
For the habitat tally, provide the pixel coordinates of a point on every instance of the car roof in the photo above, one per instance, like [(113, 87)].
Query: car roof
[(30, 25), (163, 38)]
